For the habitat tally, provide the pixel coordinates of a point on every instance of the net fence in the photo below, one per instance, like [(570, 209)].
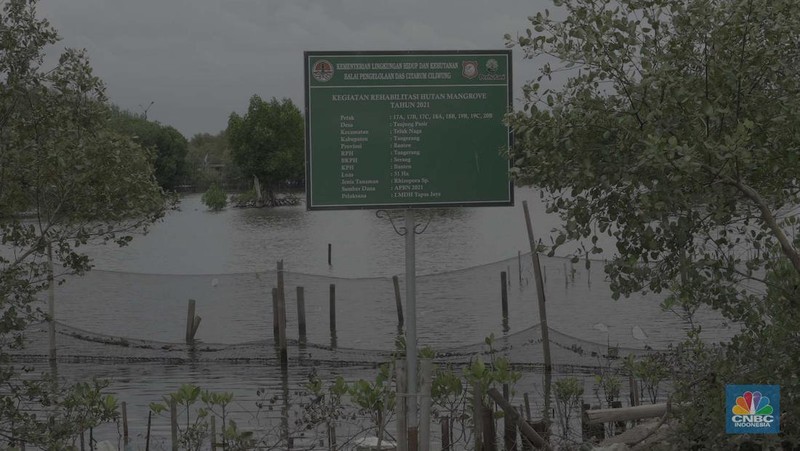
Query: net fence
[(120, 316)]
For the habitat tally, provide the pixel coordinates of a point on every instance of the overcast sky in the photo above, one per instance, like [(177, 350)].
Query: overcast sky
[(199, 60)]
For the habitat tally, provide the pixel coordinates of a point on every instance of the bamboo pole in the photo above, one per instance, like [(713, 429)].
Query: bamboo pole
[(537, 272), (477, 408), (147, 439), (124, 407), (332, 312), (509, 426), (213, 433), (504, 298), (527, 407), (301, 314), (173, 420), (190, 320), (489, 431), (275, 333), (51, 304), (282, 317)]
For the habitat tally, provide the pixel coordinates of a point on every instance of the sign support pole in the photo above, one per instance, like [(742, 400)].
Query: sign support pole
[(411, 329)]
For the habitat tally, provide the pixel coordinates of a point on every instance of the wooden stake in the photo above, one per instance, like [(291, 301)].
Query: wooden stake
[(445, 423), (524, 427), (398, 301), (329, 254), (504, 298), (190, 320), (527, 407), (537, 273), (275, 319), (489, 431), (509, 425), (301, 313), (124, 422), (173, 417), (51, 304), (147, 439), (332, 309), (213, 433), (477, 409), (282, 317)]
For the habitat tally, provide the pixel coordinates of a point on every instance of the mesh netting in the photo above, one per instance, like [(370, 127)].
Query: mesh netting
[(132, 316)]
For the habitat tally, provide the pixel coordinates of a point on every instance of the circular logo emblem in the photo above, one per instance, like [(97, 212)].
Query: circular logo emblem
[(469, 69), (491, 65), (322, 70)]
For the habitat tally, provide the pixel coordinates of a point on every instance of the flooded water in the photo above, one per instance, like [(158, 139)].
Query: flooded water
[(226, 262)]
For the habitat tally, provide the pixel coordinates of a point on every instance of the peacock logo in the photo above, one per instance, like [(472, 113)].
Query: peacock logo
[(753, 409), (752, 403)]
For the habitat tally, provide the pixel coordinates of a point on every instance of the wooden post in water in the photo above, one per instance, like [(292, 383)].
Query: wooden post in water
[(282, 317), (477, 409), (401, 390), (173, 420), (147, 439), (124, 407), (301, 314), (489, 430), (275, 334), (537, 273), (332, 312), (525, 429), (509, 425), (51, 304), (527, 406), (634, 391), (445, 423), (504, 298), (192, 322), (426, 382), (329, 254), (398, 301), (213, 433)]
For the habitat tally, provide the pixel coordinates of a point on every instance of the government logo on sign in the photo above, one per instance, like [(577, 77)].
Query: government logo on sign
[(469, 69), (322, 71)]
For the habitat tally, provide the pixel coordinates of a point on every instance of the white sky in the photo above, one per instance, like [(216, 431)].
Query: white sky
[(199, 60)]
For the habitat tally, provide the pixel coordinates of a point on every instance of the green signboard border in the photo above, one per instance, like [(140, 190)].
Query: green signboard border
[(416, 205)]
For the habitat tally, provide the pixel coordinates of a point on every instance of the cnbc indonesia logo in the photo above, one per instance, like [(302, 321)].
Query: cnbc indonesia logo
[(753, 409)]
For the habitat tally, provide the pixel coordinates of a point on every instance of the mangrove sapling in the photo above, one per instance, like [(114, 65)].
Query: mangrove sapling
[(449, 396), (568, 393), (651, 370), (325, 406), (376, 399), (493, 375)]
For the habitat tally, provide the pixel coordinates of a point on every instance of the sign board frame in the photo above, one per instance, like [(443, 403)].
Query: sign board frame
[(508, 197)]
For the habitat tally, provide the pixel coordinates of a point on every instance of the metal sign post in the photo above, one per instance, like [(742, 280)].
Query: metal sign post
[(411, 328)]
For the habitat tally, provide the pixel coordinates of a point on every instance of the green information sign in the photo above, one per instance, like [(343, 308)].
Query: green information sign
[(407, 129)]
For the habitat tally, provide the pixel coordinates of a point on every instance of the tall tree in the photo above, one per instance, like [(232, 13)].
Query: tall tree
[(267, 142), (169, 145), (66, 178), (677, 133)]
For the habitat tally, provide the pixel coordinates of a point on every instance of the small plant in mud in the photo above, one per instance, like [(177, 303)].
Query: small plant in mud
[(568, 393)]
